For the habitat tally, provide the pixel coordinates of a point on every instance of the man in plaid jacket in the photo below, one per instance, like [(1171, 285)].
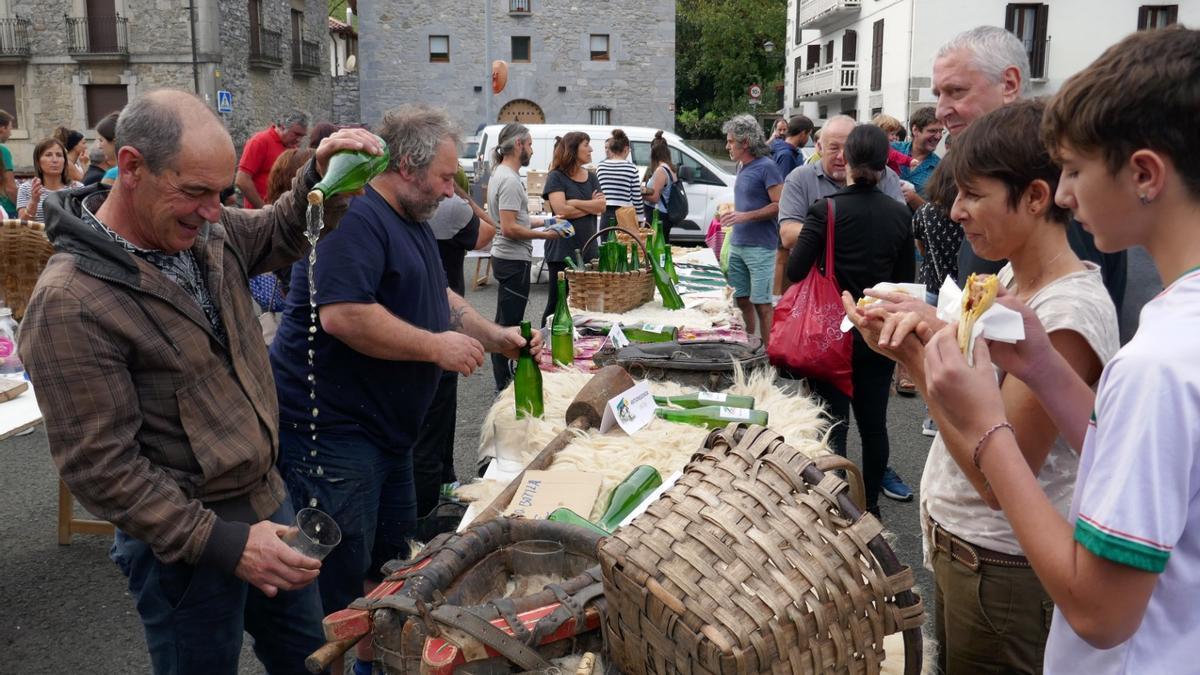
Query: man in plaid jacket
[(152, 375)]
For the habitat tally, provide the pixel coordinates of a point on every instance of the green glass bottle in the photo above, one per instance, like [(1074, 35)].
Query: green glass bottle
[(713, 417), (650, 332), (670, 265), (628, 494), (701, 399), (658, 261), (635, 263), (562, 328), (349, 170), (657, 243), (527, 382), (564, 515)]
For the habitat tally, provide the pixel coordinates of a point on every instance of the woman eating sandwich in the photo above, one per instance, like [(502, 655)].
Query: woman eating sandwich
[(992, 613)]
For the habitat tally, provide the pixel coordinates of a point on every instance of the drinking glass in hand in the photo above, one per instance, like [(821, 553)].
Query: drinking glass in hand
[(314, 533)]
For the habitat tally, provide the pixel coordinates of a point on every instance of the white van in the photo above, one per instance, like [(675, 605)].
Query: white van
[(705, 181)]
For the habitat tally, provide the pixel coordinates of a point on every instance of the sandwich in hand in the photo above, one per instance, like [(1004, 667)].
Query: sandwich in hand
[(978, 296)]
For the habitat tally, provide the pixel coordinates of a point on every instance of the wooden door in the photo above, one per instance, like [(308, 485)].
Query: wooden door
[(102, 26)]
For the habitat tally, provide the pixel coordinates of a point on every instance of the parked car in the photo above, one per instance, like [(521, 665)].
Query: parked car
[(706, 183), (466, 156)]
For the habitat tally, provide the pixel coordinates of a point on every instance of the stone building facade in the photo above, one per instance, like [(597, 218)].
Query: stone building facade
[(70, 62), (610, 62)]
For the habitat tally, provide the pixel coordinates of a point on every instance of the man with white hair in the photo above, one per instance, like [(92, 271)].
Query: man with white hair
[(976, 72), (755, 235)]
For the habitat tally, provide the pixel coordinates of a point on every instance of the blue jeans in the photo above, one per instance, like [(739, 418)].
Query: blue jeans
[(194, 616), (369, 492)]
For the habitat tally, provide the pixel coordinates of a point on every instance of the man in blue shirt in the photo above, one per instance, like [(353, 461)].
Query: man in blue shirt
[(755, 231), (786, 151), (926, 133), (386, 326)]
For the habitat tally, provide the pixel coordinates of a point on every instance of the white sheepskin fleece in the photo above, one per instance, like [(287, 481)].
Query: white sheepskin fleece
[(707, 314), (666, 446)]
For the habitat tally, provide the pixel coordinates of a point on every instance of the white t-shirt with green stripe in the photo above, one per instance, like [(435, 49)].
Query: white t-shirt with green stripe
[(1137, 498)]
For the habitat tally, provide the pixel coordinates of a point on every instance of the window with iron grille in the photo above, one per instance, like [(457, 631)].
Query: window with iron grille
[(519, 6), (877, 55), (1157, 16), (600, 115), (598, 46), (520, 49), (439, 48), (103, 99), (1028, 23)]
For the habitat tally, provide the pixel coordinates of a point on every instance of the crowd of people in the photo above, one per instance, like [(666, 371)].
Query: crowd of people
[(1063, 468)]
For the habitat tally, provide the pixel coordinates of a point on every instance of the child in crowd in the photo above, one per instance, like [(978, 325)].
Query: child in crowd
[(1123, 569)]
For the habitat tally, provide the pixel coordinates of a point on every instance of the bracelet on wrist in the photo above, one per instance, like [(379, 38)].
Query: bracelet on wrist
[(987, 436)]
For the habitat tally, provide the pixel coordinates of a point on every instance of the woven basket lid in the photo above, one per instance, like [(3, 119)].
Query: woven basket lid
[(24, 250)]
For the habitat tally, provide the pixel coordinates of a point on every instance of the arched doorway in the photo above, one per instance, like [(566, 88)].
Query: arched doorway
[(523, 111)]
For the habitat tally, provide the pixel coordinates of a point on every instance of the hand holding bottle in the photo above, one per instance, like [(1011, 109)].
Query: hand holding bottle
[(346, 139), (509, 342)]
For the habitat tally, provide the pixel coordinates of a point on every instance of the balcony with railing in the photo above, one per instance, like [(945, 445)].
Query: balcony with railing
[(520, 7), (98, 38), (266, 48), (832, 80), (14, 40), (816, 14), (306, 58)]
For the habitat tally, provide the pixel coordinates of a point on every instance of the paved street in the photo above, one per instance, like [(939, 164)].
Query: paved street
[(64, 609)]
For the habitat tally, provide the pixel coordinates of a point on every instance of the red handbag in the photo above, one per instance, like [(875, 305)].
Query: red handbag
[(806, 335)]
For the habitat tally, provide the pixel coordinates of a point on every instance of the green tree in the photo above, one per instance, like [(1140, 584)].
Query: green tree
[(719, 53)]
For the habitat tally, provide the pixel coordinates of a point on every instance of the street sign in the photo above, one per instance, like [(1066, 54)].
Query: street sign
[(224, 101), (755, 91)]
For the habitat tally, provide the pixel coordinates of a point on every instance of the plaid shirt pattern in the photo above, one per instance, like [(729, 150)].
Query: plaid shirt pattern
[(153, 424)]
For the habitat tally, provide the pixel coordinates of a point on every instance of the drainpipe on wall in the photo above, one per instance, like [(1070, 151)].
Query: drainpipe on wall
[(487, 61), (195, 62)]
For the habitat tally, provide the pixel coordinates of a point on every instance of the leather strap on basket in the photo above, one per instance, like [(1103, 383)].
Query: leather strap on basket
[(477, 628)]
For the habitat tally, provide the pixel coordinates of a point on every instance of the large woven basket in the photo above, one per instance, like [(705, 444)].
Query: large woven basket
[(755, 562), (612, 292), (24, 251)]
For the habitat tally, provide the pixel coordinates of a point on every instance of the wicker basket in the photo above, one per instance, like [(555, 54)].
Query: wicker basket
[(611, 292), (24, 251), (755, 561)]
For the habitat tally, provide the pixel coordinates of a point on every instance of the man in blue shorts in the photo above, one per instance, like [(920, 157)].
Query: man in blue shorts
[(755, 230)]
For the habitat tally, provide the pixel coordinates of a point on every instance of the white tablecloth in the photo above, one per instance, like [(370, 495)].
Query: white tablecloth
[(19, 414)]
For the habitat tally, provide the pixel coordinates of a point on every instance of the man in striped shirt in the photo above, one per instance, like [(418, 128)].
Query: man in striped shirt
[(619, 179)]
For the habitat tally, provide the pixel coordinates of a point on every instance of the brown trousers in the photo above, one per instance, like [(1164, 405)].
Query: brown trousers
[(994, 620)]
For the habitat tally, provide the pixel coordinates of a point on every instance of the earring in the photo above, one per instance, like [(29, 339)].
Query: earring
[(1144, 199)]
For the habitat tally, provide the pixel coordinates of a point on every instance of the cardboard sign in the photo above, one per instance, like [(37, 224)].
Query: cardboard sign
[(617, 336), (631, 410), (543, 491)]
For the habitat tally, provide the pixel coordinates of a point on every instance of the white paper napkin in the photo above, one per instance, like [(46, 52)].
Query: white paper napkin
[(998, 323), (915, 290)]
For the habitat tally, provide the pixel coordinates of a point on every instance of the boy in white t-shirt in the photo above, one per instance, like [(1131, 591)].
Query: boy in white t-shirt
[(1124, 568)]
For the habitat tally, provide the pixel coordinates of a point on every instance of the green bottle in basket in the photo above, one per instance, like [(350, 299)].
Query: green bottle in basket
[(628, 494), (700, 399), (527, 382), (564, 515), (712, 416), (634, 263), (348, 171), (562, 328)]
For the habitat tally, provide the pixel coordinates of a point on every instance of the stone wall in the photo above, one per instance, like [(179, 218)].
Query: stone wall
[(346, 108), (637, 83), (50, 85), (262, 95)]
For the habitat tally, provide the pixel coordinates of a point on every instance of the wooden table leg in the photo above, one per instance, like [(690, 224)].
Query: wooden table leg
[(69, 525)]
